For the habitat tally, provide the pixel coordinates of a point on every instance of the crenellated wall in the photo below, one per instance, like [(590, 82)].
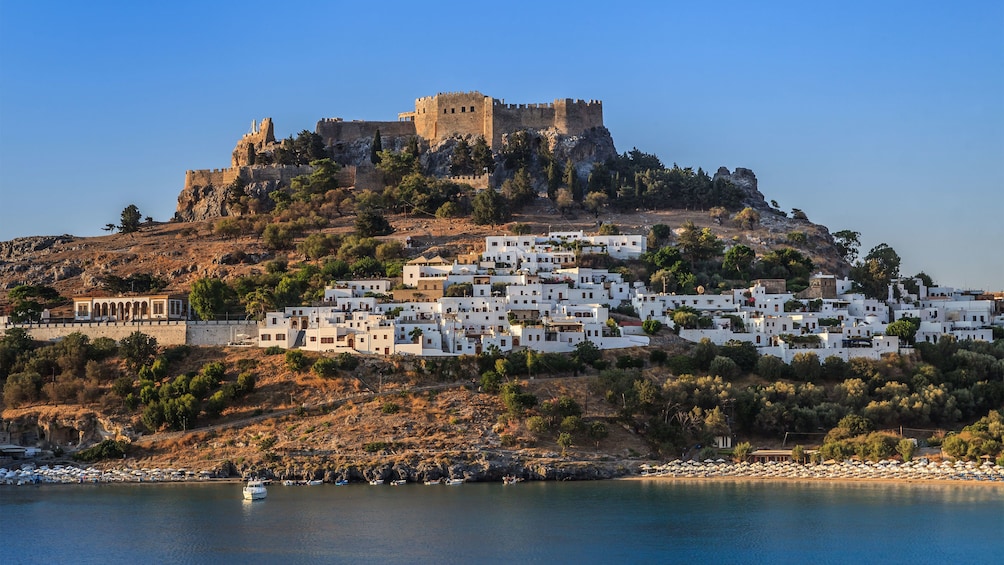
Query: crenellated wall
[(223, 177), (335, 130)]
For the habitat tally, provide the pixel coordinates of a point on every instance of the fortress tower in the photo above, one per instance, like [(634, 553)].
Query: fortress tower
[(471, 113)]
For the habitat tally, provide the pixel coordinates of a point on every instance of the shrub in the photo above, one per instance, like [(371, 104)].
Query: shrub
[(657, 356), (374, 446), (295, 360), (598, 430), (651, 327), (571, 424), (325, 367), (246, 382), (536, 424), (491, 382), (724, 367), (107, 449), (273, 350), (390, 408)]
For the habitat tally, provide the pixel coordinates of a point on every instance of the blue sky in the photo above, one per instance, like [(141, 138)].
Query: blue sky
[(882, 117)]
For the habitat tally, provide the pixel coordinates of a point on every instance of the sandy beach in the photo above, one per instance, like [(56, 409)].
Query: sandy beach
[(890, 472)]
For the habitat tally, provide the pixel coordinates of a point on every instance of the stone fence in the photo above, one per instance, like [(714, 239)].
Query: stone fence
[(166, 332)]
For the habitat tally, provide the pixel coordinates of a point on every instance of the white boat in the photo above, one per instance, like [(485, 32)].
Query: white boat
[(254, 490), (398, 482), (315, 483), (375, 482), (435, 482), (454, 482)]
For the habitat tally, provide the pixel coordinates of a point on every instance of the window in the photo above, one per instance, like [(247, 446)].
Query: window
[(463, 109), (327, 340), (266, 337), (453, 110), (280, 337), (472, 109), (313, 338)]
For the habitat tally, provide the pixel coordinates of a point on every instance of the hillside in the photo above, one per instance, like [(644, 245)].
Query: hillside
[(182, 252)]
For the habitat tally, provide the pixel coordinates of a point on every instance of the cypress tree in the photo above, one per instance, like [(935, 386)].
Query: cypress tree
[(375, 148)]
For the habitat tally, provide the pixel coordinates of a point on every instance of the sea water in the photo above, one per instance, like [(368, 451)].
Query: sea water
[(646, 521)]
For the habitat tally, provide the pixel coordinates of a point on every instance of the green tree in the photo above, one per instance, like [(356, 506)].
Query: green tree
[(598, 431), (739, 259), (848, 242), (396, 165), (905, 448), (798, 454), (595, 201), (460, 161), (295, 360), (724, 367), (719, 214), (904, 328), (565, 441), (137, 349), (130, 219), (28, 301), (212, 298), (741, 451), (481, 155), (747, 218), (490, 208), (879, 268), (371, 223), (651, 327), (571, 180), (375, 148)]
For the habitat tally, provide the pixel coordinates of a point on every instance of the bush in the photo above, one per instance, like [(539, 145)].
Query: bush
[(651, 327), (657, 356), (325, 367), (536, 424), (598, 430), (491, 382), (390, 408), (273, 350), (107, 449), (374, 446), (295, 360), (246, 382), (724, 367), (571, 424), (214, 371)]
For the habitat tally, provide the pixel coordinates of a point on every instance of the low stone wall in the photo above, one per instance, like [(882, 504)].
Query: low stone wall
[(165, 332)]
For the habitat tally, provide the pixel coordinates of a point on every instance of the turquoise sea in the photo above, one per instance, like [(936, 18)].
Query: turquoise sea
[(648, 521)]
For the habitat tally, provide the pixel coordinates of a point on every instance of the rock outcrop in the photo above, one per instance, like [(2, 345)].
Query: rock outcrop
[(744, 180)]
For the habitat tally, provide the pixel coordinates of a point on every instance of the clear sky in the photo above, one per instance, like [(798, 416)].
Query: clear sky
[(882, 117)]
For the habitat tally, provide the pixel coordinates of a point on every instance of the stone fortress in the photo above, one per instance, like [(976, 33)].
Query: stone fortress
[(434, 119)]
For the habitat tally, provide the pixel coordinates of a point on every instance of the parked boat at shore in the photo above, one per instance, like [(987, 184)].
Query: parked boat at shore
[(255, 490)]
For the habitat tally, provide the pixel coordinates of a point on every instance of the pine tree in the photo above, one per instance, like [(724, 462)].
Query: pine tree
[(482, 156)]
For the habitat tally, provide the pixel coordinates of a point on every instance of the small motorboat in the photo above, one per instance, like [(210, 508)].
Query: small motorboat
[(341, 482), (375, 482), (453, 482), (398, 482), (255, 490), (315, 482)]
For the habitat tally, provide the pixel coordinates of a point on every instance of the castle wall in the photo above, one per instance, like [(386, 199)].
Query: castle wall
[(573, 117), (507, 118), (443, 115), (334, 130), (223, 177)]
